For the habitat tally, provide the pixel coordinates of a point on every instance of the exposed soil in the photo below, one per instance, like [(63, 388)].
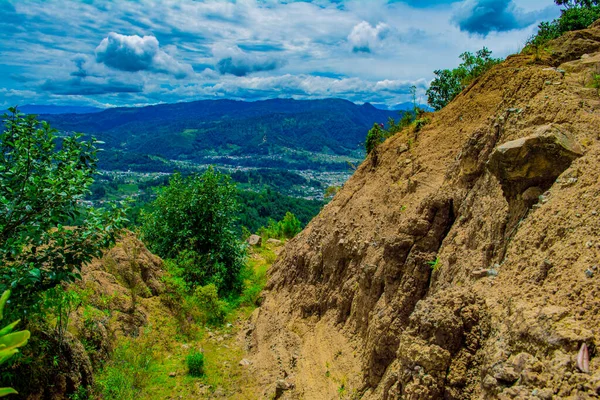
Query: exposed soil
[(432, 276)]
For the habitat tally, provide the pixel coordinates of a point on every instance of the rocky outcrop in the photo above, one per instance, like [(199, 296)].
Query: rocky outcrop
[(463, 264), (115, 291)]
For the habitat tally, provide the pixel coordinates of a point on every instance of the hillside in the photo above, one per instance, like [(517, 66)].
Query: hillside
[(458, 262), (270, 133)]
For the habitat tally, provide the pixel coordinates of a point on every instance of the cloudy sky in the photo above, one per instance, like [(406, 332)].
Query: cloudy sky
[(112, 53)]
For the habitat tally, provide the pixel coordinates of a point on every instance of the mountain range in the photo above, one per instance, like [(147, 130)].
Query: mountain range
[(269, 133)]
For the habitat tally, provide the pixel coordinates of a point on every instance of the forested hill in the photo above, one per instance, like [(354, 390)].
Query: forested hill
[(192, 131)]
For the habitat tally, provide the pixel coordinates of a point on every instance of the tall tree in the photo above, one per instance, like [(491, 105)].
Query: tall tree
[(44, 181)]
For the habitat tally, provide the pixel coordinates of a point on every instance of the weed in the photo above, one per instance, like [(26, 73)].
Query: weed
[(435, 264), (195, 363), (420, 123)]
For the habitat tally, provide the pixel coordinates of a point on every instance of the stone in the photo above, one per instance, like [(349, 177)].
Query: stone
[(480, 273), (532, 195), (505, 373), (533, 161), (245, 362), (275, 242), (281, 386), (254, 240), (172, 374)]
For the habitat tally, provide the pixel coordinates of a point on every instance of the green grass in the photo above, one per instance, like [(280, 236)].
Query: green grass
[(142, 367)]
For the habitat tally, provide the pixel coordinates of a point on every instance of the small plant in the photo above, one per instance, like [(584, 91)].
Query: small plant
[(341, 390), (420, 123), (195, 363), (435, 264), (331, 191)]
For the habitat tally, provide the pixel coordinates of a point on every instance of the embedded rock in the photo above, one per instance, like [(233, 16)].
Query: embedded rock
[(533, 161)]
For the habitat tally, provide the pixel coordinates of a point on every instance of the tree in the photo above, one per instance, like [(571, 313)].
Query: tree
[(193, 221), (375, 136), (450, 83), (44, 180), (577, 3)]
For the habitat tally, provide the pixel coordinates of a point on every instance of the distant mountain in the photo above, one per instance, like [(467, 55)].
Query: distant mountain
[(48, 109), (263, 133), (406, 106)]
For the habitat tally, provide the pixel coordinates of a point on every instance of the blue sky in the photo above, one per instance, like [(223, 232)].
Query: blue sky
[(114, 53)]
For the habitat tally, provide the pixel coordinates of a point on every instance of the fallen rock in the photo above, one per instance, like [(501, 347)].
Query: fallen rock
[(172, 374), (254, 240), (281, 386), (275, 242), (480, 273), (245, 362)]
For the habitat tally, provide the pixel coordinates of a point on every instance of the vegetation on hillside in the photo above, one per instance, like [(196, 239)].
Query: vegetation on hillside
[(449, 83), (576, 14), (48, 231)]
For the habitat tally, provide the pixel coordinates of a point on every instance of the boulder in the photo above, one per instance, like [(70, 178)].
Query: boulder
[(533, 161), (254, 240), (275, 242)]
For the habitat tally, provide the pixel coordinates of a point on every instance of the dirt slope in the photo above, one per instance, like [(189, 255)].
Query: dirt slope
[(358, 306)]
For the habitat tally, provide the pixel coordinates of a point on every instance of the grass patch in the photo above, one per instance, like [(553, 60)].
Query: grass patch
[(164, 359)]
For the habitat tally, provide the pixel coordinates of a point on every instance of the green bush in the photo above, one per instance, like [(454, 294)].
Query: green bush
[(287, 228), (195, 363), (450, 83), (577, 15), (193, 220), (375, 136), (207, 300)]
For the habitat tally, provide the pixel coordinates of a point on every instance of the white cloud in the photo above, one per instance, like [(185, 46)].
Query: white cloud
[(366, 38), (134, 53)]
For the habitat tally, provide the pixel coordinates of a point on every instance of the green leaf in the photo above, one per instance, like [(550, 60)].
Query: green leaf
[(7, 329), (7, 391), (14, 340)]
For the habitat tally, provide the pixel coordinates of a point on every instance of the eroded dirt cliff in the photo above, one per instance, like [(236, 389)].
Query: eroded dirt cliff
[(460, 261)]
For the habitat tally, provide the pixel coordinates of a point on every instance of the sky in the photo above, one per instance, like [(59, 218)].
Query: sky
[(130, 53)]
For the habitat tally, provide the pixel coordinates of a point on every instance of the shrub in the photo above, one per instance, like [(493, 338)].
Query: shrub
[(193, 220), (287, 228), (207, 300), (375, 136), (195, 363)]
